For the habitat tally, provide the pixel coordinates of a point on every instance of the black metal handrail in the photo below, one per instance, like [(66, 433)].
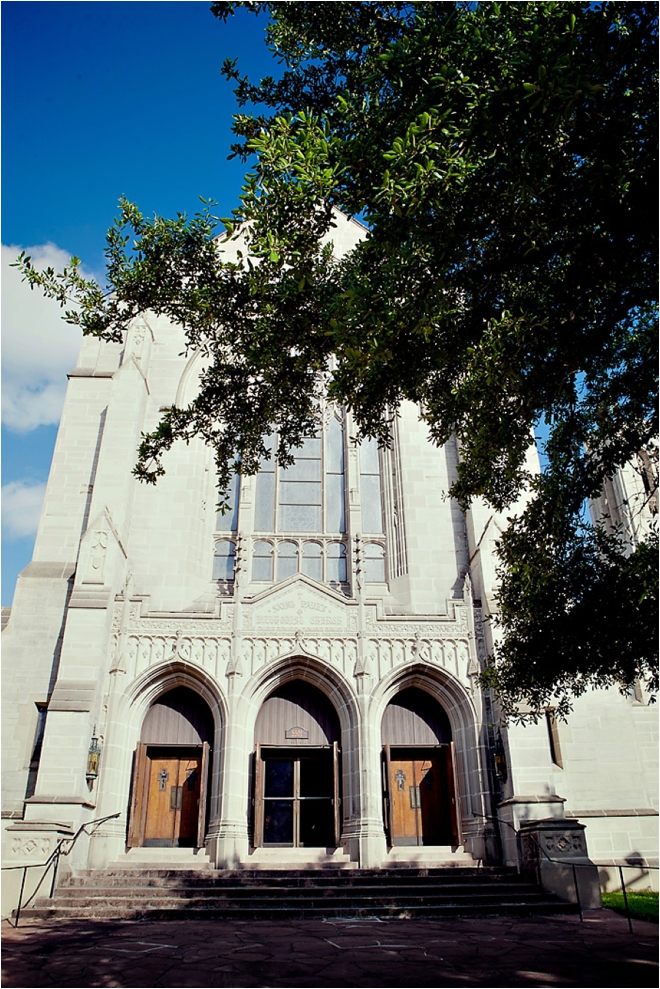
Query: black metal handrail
[(516, 831), (608, 865), (575, 865), (52, 860)]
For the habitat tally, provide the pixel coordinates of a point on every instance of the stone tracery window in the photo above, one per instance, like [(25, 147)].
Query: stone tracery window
[(229, 521), (308, 496), (301, 513), (374, 563), (223, 560), (323, 561), (370, 486), (262, 561)]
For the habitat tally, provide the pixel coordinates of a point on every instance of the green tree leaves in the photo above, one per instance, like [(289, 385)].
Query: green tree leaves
[(503, 160)]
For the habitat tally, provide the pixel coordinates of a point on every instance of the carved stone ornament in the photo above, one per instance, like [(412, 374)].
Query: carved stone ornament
[(97, 555), (564, 844), (296, 732)]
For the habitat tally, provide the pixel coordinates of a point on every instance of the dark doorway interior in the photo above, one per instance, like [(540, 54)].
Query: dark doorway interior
[(296, 769), (298, 798)]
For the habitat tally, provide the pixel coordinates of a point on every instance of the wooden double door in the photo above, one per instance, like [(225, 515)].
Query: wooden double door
[(296, 797), (168, 806), (420, 796)]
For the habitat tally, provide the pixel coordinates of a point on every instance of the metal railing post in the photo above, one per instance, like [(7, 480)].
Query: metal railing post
[(625, 899), (20, 896), (577, 892), (56, 864)]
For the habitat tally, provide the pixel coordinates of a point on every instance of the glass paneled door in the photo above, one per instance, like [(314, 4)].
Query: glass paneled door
[(296, 798)]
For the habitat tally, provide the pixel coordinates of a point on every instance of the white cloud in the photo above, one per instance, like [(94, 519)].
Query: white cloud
[(38, 347), (21, 508)]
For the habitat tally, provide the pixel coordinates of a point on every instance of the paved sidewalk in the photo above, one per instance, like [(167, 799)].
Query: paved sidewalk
[(502, 951)]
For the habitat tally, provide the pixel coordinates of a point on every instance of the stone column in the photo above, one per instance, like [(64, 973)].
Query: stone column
[(228, 841)]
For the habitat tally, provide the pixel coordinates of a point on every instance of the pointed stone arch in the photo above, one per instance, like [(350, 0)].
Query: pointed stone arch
[(337, 690), (188, 387), (464, 722), (145, 690)]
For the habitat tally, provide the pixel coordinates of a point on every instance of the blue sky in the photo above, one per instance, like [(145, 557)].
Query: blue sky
[(99, 100)]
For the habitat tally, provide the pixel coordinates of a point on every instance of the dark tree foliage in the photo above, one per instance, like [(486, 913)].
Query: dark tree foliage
[(502, 158)]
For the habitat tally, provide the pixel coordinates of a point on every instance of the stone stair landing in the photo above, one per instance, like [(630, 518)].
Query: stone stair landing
[(161, 858)]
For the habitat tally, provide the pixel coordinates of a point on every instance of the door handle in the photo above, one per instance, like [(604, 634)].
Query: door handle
[(175, 797)]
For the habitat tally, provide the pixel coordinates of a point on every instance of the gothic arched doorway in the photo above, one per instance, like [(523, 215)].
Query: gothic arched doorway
[(171, 771), (418, 770), (296, 769)]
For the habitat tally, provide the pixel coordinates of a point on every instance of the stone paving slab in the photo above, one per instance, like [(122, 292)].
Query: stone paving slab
[(501, 952)]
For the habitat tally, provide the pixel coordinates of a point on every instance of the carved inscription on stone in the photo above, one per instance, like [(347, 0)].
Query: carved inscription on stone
[(300, 608)]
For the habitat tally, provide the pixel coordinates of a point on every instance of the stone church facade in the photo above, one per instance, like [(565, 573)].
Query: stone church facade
[(292, 682)]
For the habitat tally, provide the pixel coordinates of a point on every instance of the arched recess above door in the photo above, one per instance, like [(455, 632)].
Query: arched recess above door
[(178, 717), (420, 803), (413, 717), (297, 705)]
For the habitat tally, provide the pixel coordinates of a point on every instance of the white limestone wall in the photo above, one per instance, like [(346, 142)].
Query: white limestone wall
[(171, 551), (30, 654), (31, 642), (609, 750), (435, 527)]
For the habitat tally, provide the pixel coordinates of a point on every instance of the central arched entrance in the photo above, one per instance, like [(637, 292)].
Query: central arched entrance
[(171, 771), (296, 770), (418, 771)]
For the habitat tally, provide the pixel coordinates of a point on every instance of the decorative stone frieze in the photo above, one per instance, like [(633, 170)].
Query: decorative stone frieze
[(213, 652)]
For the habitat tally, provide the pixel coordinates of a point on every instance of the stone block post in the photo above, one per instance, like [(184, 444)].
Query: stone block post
[(554, 851)]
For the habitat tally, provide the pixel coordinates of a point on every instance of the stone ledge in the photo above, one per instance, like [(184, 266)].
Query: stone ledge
[(89, 372), (42, 826), (49, 569), (90, 597), (77, 800), (616, 812), (544, 798), (72, 695)]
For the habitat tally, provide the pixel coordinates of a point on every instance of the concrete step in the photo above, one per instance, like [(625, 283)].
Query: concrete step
[(71, 894), (169, 859), (123, 876), (277, 912), (234, 902)]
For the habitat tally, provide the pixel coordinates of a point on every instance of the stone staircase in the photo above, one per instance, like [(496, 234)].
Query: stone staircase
[(203, 893)]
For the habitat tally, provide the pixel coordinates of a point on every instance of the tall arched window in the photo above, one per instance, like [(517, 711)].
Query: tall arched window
[(262, 561), (308, 496), (372, 515), (287, 560), (223, 560), (306, 499), (228, 522)]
